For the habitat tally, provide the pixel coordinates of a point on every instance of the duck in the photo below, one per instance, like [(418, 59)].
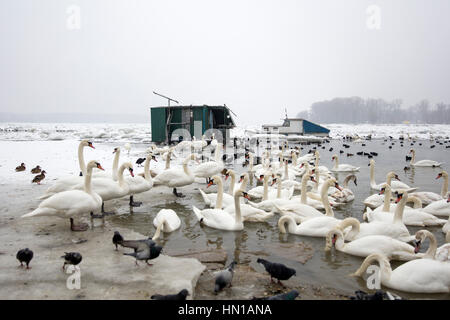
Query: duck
[(362, 247), (71, 203), (108, 189), (36, 169), (439, 208), (65, 184), (342, 167), (176, 177), (219, 219), (37, 179), (411, 217), (416, 276), (429, 197), (140, 184), (423, 163), (21, 167), (441, 254), (166, 220)]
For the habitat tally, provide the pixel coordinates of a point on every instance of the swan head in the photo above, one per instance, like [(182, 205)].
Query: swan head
[(87, 143), (384, 188), (392, 174), (241, 193), (334, 157), (243, 176), (332, 182), (94, 164), (401, 194), (442, 174), (448, 198), (371, 162), (116, 149), (421, 235), (214, 180), (129, 166), (331, 238), (312, 179)]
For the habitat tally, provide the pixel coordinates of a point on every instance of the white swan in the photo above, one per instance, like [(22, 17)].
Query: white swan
[(166, 220), (423, 163), (220, 219), (268, 204), (176, 177), (303, 211), (446, 227), (210, 168), (217, 200), (395, 229), (441, 254), (391, 175), (107, 188), (72, 203), (429, 197), (419, 276), (346, 195), (439, 208), (66, 183), (342, 167), (314, 227), (411, 217), (362, 247), (265, 192), (140, 184)]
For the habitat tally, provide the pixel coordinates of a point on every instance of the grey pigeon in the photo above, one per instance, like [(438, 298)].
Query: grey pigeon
[(117, 238), (224, 277), (73, 258), (361, 295), (143, 249), (291, 295), (179, 296), (24, 255), (277, 270)]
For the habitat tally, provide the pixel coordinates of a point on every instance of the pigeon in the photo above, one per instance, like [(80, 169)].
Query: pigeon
[(224, 278), (140, 161), (277, 270), (291, 295), (361, 295), (73, 258), (24, 255), (117, 238), (179, 296), (143, 250)]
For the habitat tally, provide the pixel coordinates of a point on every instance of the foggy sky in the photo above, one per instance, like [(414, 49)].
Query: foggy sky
[(256, 56)]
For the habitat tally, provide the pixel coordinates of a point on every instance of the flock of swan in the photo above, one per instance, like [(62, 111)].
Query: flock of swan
[(382, 236)]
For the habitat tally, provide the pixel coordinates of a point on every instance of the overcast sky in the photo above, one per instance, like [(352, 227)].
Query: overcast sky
[(257, 56)]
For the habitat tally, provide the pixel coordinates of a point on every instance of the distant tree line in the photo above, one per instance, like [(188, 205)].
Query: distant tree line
[(358, 110)]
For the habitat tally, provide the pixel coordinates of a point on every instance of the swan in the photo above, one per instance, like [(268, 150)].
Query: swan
[(342, 167), (439, 208), (377, 200), (429, 197), (304, 211), (66, 183), (314, 227), (140, 184), (113, 175), (217, 200), (441, 254), (362, 247), (391, 175), (210, 168), (411, 217), (109, 189), (166, 220), (268, 204), (176, 177), (220, 219), (265, 192), (446, 227), (72, 203), (395, 229), (423, 163), (346, 195), (418, 276)]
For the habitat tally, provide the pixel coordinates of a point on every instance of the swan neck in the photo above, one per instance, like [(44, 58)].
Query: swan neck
[(399, 210), (115, 165), (168, 160), (219, 201), (88, 180), (158, 230), (372, 174), (326, 203), (232, 183), (387, 199), (278, 189), (431, 252), (120, 176), (147, 174), (305, 178), (444, 189), (237, 209), (266, 188), (81, 158)]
